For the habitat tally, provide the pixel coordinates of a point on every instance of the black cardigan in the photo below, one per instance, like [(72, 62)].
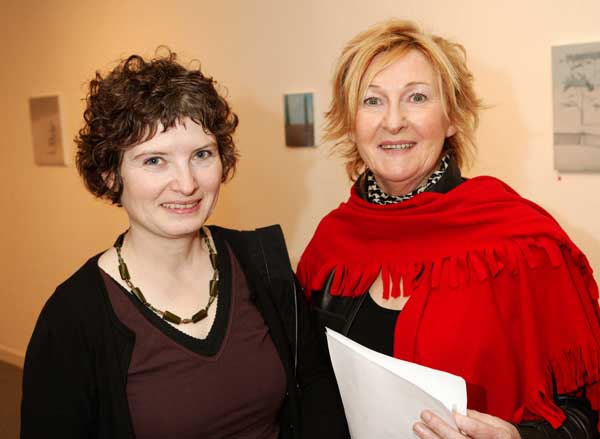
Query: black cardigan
[(75, 375)]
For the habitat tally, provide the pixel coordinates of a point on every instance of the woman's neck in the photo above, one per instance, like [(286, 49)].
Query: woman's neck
[(164, 253), (376, 193)]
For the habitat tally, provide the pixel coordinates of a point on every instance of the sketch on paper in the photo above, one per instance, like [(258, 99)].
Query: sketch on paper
[(299, 119), (46, 131), (576, 89)]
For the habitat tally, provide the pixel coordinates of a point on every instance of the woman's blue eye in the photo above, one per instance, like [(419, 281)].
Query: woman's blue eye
[(418, 98), (153, 161), (371, 101), (203, 154)]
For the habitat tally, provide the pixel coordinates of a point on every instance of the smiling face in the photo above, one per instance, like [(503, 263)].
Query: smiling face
[(171, 182), (400, 124)]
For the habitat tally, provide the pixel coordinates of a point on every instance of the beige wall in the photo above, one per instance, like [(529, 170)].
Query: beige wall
[(260, 49)]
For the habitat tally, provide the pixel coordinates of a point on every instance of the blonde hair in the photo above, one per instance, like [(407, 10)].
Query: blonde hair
[(391, 39)]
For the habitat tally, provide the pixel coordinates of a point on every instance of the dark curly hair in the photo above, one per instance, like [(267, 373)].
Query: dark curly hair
[(125, 108)]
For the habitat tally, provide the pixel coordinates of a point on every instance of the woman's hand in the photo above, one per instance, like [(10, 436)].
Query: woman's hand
[(475, 425)]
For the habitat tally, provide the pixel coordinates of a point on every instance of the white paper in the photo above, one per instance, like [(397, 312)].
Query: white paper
[(384, 396)]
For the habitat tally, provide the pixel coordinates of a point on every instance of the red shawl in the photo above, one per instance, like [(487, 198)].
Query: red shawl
[(504, 298)]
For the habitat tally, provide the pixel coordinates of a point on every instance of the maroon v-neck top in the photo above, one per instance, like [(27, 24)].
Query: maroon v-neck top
[(229, 385)]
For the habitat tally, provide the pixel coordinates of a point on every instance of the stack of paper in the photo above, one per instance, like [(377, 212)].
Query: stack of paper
[(383, 396)]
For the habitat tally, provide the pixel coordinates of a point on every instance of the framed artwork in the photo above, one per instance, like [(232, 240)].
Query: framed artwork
[(299, 119), (46, 131), (576, 93)]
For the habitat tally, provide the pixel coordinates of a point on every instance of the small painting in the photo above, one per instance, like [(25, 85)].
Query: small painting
[(46, 131), (576, 90), (299, 119)]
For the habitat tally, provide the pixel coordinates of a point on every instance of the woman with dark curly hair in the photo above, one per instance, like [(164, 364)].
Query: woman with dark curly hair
[(179, 329)]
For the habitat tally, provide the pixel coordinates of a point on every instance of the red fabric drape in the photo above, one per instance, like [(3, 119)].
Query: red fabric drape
[(499, 293)]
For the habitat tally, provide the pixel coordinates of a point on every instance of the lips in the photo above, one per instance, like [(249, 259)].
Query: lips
[(181, 205), (395, 146)]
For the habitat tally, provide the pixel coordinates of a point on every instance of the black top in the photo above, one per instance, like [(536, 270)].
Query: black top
[(373, 327)]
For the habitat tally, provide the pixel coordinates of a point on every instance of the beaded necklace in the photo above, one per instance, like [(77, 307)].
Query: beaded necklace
[(166, 314)]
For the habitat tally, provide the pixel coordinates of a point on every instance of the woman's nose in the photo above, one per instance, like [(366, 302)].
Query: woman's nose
[(395, 119), (184, 181)]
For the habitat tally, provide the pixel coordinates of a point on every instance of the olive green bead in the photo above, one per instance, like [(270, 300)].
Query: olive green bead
[(214, 261), (170, 317), (139, 295), (123, 271), (199, 315), (213, 288)]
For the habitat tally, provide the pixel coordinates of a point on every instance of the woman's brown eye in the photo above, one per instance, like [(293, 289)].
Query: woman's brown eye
[(418, 97)]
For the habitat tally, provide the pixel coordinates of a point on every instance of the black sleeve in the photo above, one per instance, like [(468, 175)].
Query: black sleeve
[(581, 422), (322, 409), (57, 399)]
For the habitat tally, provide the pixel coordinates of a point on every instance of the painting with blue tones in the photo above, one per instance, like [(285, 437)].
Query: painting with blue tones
[(299, 119)]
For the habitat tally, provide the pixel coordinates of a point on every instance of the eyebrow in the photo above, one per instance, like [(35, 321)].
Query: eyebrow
[(209, 144), (162, 153), (410, 84)]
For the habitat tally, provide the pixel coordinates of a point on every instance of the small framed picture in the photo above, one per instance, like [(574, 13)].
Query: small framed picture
[(299, 119), (46, 131), (576, 89)]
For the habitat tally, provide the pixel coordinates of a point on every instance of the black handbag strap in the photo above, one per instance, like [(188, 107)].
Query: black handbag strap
[(274, 252), (279, 269)]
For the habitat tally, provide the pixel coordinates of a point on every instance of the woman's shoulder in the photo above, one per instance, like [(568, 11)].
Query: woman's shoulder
[(486, 181), (228, 233), (258, 240), (79, 295), (75, 319), (257, 250)]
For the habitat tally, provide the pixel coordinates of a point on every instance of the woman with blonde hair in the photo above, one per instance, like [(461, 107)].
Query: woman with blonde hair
[(461, 275)]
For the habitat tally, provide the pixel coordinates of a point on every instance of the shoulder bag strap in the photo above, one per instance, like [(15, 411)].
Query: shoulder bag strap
[(280, 274)]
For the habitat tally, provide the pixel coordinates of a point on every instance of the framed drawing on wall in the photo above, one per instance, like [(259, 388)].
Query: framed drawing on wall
[(576, 90), (46, 131)]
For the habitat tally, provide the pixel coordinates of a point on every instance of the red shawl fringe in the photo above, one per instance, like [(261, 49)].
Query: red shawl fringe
[(353, 279), (571, 371)]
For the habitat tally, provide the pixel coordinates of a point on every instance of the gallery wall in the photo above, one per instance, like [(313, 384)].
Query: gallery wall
[(259, 50)]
